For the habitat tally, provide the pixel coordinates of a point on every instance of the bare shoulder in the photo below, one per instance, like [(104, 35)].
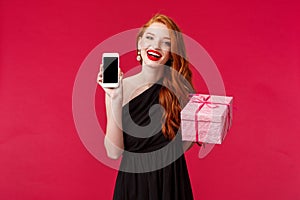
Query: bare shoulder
[(128, 83)]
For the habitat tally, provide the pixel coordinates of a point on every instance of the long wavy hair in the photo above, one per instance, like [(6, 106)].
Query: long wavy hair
[(177, 81)]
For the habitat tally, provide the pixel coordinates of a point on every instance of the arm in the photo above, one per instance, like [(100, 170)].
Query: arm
[(113, 141)]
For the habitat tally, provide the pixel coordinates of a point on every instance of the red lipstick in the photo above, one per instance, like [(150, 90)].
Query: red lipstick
[(153, 55)]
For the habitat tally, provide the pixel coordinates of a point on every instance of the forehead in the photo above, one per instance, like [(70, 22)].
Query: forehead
[(158, 28)]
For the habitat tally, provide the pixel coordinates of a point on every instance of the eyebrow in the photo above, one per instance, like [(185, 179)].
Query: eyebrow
[(149, 33)]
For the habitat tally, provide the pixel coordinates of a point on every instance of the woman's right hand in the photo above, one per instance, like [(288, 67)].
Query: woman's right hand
[(113, 93)]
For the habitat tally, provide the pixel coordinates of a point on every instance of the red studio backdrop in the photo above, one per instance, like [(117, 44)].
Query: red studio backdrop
[(255, 45)]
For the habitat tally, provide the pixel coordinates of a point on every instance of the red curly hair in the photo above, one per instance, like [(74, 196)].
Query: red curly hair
[(177, 79)]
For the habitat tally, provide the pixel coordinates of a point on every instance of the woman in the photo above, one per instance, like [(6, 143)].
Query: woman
[(153, 164)]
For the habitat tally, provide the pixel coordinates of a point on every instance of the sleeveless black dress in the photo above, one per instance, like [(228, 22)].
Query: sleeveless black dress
[(152, 167)]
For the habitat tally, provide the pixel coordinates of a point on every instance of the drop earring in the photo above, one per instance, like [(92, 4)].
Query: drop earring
[(138, 57)]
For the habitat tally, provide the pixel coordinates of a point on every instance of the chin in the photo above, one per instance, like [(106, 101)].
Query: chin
[(154, 64)]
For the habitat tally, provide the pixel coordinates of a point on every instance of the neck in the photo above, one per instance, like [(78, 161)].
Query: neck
[(151, 74)]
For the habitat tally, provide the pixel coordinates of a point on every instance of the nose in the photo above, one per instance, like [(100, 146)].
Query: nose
[(156, 44)]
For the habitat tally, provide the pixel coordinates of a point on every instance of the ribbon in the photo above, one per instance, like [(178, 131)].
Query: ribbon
[(204, 101)]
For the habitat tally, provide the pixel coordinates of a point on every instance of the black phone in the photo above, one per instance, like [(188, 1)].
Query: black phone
[(110, 70)]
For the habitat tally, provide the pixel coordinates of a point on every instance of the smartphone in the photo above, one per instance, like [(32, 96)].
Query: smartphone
[(110, 71)]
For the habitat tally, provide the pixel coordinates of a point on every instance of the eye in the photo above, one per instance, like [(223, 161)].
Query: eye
[(149, 37), (167, 43)]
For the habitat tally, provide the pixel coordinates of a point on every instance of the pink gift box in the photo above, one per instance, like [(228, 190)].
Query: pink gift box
[(206, 118)]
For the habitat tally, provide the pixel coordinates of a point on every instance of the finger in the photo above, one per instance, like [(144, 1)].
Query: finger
[(100, 74), (120, 72), (120, 76), (101, 66), (99, 80)]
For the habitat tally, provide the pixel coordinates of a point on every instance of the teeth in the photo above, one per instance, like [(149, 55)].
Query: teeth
[(154, 54)]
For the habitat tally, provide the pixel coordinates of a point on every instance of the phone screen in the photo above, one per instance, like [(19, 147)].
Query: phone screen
[(110, 67)]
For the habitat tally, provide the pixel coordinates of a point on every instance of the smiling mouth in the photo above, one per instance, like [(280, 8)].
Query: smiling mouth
[(153, 55)]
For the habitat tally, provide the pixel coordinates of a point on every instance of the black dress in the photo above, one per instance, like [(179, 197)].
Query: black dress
[(152, 167)]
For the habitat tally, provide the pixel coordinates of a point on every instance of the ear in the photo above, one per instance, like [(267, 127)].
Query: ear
[(139, 43)]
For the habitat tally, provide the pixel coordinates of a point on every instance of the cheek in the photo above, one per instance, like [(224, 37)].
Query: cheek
[(145, 44)]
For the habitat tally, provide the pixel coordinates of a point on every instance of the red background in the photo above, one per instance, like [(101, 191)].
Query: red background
[(255, 45)]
